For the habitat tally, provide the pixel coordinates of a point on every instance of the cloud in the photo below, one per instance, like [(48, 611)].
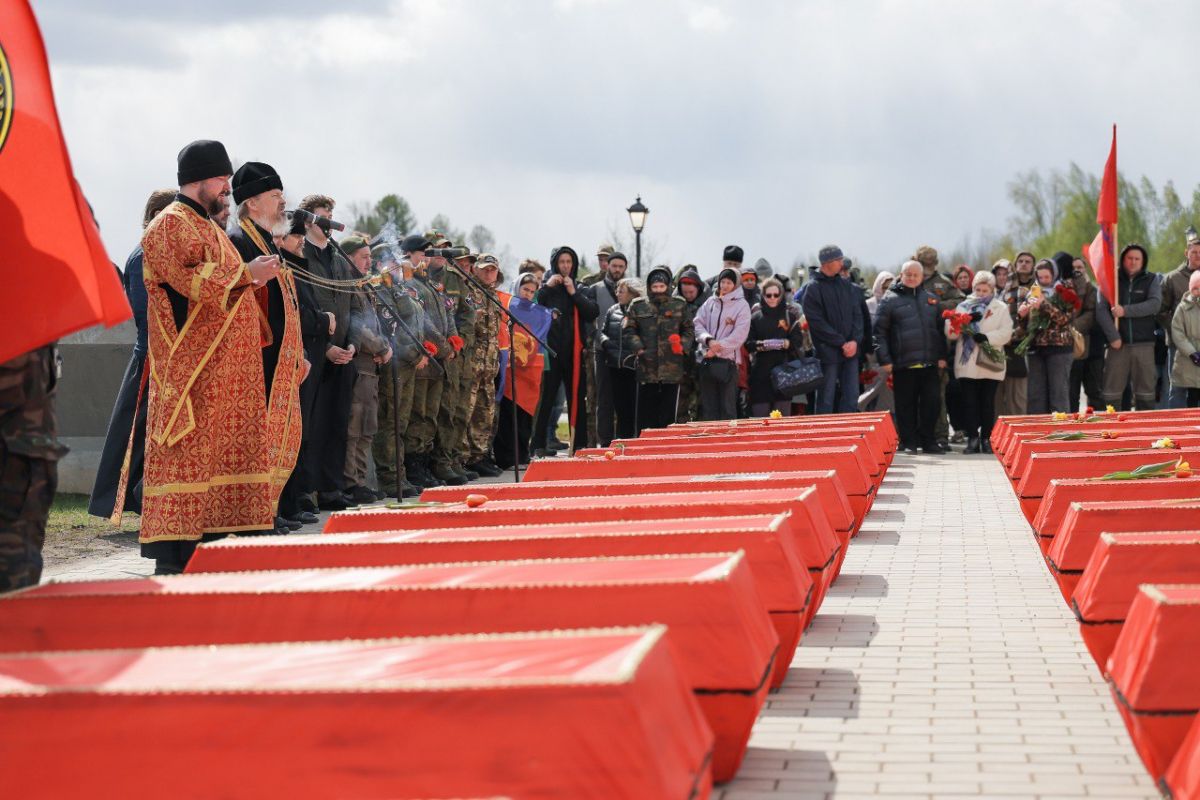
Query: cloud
[(878, 125)]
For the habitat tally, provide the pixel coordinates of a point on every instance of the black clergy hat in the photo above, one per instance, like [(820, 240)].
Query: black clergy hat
[(734, 253), (201, 160), (254, 178)]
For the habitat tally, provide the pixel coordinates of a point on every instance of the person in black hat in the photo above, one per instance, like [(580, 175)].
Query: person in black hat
[(207, 414)]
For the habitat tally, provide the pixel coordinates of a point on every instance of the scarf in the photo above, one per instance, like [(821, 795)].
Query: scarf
[(970, 306)]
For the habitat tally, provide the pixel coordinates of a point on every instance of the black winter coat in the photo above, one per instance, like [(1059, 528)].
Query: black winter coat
[(612, 339), (834, 309), (781, 322), (908, 328), (561, 337)]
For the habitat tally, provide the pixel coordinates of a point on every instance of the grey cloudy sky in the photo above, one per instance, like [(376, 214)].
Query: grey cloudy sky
[(780, 126)]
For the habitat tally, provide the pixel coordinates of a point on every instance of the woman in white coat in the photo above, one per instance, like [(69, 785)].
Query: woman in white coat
[(978, 371)]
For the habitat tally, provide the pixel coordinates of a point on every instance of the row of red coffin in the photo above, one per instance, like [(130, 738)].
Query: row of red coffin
[(1126, 557), (99, 687)]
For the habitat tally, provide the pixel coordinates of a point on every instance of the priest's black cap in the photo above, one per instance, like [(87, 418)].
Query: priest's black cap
[(201, 160), (412, 244), (253, 178), (734, 253)]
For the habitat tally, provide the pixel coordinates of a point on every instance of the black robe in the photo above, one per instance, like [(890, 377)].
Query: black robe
[(249, 251)]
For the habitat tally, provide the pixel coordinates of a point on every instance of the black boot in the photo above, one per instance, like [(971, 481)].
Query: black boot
[(972, 445)]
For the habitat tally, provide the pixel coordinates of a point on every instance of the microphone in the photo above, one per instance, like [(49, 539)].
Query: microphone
[(326, 223)]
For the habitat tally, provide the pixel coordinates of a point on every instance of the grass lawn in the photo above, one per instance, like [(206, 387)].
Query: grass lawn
[(72, 533)]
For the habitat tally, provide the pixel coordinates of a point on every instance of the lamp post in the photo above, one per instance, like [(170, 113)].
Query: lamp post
[(637, 218)]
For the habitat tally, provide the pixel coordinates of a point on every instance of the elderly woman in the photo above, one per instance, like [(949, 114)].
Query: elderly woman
[(1048, 309), (620, 361), (776, 337), (1185, 334), (979, 358), (883, 282)]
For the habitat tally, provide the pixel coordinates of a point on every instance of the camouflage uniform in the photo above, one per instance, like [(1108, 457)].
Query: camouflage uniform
[(650, 322), (948, 297), (405, 355), (484, 365), (427, 389), (29, 454), (452, 415)]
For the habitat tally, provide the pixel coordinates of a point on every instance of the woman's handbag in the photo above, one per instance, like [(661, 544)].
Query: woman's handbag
[(986, 362), (718, 370), (1079, 344), (798, 377)]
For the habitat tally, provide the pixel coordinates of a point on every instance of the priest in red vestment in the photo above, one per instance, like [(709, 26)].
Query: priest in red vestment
[(216, 456)]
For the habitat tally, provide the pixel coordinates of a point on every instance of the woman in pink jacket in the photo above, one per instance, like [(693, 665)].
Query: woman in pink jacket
[(722, 324)]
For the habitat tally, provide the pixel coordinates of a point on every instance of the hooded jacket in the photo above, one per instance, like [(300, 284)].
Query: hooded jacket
[(650, 322), (724, 320), (569, 309), (691, 273)]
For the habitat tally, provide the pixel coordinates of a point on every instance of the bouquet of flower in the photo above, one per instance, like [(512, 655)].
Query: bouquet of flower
[(1063, 297), (964, 324)]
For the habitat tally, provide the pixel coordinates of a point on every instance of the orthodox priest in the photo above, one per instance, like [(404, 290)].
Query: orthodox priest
[(258, 195), (217, 456)]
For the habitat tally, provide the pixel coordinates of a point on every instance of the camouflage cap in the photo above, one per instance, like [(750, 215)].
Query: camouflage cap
[(605, 250), (352, 244), (437, 238), (1191, 236), (926, 255), (487, 260)]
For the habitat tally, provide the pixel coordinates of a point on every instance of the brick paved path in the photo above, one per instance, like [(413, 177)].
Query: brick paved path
[(943, 663)]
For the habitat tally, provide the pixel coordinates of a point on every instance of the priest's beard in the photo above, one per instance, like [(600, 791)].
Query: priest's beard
[(214, 204)]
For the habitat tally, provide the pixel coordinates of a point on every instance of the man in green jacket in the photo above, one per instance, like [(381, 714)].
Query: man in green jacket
[(658, 329)]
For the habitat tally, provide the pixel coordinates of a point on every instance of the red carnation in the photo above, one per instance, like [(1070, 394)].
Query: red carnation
[(676, 344), (456, 342), (430, 347)]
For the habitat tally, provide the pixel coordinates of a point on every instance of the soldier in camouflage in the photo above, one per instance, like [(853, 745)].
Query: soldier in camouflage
[(29, 454), (408, 356), (658, 329), (948, 297), (427, 388), (484, 364), (596, 429), (452, 416)]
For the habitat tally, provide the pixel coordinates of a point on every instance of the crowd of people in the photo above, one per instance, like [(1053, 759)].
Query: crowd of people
[(280, 371)]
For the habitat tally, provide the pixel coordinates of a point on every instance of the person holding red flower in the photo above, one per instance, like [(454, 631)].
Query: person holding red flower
[(777, 336), (1129, 327), (1045, 332), (979, 360), (658, 329)]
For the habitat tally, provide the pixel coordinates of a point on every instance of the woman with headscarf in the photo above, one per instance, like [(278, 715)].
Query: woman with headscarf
[(1046, 313), (978, 374), (776, 337), (722, 325), (883, 282)]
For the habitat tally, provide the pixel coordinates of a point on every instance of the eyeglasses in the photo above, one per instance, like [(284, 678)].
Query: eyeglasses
[(771, 295)]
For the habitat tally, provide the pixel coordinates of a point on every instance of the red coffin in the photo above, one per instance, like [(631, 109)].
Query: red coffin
[(708, 603), (1153, 671), (1024, 450), (1035, 481), (830, 493), (1006, 427), (1119, 563), (783, 583), (1062, 493), (1182, 780), (849, 463), (817, 544), (1068, 552), (577, 714), (881, 437), (741, 443)]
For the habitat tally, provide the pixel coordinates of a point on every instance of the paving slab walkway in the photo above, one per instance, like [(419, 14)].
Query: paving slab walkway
[(943, 663)]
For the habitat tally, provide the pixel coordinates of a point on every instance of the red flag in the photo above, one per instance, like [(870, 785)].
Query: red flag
[(1101, 254), (57, 278)]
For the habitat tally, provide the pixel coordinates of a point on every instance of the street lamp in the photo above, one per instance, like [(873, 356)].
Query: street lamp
[(637, 218)]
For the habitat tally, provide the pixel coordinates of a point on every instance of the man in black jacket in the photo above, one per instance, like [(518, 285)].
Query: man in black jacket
[(833, 308), (1129, 328), (911, 348), (574, 309)]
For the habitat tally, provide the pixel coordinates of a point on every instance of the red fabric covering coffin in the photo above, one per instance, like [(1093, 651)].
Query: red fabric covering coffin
[(1182, 779), (1123, 431), (741, 443), (1025, 449), (879, 438), (709, 604), (817, 544), (596, 714), (1153, 671), (830, 493), (1119, 563), (783, 583), (1069, 551), (882, 420), (1006, 427), (848, 462), (1062, 493), (1035, 481)]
